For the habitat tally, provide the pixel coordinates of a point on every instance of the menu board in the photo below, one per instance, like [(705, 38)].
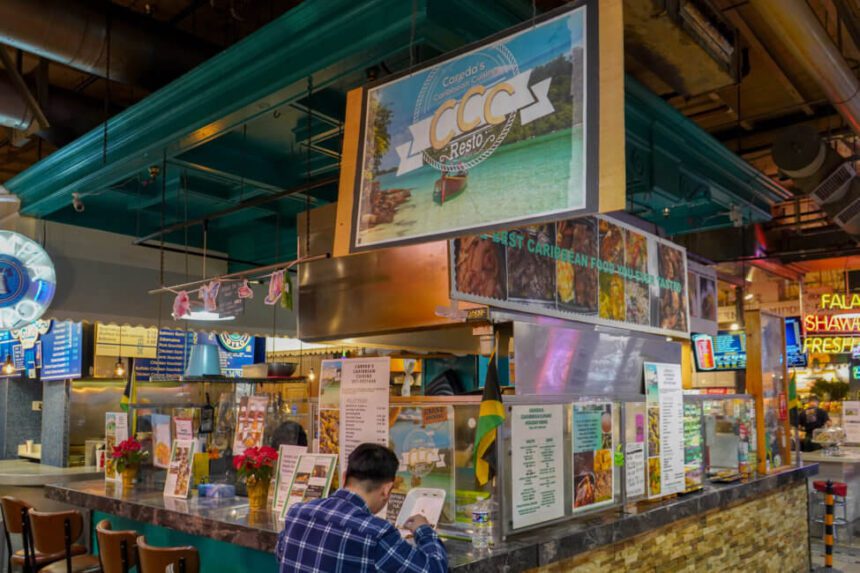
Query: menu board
[(423, 440), (61, 351), (795, 357), (664, 402), (726, 351), (161, 440), (537, 464), (235, 351), (170, 360), (363, 404), (311, 479), (127, 341), (693, 451), (250, 423), (591, 269), (288, 456), (593, 473), (178, 481), (116, 431)]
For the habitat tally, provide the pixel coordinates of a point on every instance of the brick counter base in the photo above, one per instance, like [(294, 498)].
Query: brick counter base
[(767, 535)]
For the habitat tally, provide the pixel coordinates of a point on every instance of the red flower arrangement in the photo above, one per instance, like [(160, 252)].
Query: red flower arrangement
[(257, 463), (129, 453)]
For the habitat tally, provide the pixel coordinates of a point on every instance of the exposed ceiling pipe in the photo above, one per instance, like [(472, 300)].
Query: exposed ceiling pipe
[(70, 114), (144, 52), (794, 22)]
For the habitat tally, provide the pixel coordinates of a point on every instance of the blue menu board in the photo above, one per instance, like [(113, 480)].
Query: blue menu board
[(61, 351), (730, 351), (795, 357), (11, 347), (171, 356)]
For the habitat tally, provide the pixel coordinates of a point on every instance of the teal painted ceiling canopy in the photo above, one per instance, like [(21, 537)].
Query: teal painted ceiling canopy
[(229, 140)]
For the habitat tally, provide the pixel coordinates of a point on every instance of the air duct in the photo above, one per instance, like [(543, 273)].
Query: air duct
[(143, 52), (829, 180), (70, 114), (808, 42)]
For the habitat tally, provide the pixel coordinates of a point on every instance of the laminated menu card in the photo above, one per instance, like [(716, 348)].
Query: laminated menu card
[(116, 431), (250, 424), (311, 479), (287, 458), (178, 481)]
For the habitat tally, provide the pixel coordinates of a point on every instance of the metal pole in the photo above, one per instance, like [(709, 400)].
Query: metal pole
[(828, 525)]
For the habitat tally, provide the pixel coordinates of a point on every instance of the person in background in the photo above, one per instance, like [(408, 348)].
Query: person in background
[(810, 419), (342, 533), (289, 433)]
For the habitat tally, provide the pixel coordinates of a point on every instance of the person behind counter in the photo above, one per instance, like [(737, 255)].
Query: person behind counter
[(342, 533), (810, 419)]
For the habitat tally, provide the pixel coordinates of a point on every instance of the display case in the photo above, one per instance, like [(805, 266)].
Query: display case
[(729, 435)]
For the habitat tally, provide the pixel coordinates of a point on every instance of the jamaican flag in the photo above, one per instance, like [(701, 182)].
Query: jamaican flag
[(491, 417)]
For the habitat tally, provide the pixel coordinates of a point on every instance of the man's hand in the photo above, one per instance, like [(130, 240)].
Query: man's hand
[(415, 522)]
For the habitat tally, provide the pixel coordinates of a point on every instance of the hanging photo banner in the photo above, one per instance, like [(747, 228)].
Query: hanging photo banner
[(514, 130), (590, 269)]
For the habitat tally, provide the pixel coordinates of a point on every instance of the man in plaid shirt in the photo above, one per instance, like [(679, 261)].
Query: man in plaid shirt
[(341, 533)]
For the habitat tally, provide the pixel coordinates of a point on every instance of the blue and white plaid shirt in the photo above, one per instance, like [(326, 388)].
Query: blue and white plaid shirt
[(338, 534)]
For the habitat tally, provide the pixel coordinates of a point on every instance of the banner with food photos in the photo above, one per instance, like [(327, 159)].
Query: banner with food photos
[(591, 269)]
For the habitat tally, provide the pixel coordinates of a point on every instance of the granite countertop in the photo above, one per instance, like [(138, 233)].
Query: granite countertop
[(848, 455), (231, 521), (24, 473)]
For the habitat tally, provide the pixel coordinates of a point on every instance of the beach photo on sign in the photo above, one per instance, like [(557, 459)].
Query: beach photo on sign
[(493, 135), (479, 266), (531, 272)]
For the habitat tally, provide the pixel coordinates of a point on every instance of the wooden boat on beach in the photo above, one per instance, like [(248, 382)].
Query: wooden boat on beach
[(449, 186)]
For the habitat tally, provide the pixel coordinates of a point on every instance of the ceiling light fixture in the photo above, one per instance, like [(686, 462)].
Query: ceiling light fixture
[(119, 368), (8, 366), (735, 326)]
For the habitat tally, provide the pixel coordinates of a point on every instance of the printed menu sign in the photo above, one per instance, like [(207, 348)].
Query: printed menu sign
[(537, 464), (591, 269), (178, 480), (593, 479), (250, 423), (851, 421), (311, 479), (288, 456), (116, 431), (664, 401), (634, 469), (363, 404)]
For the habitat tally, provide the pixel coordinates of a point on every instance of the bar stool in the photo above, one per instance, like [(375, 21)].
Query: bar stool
[(840, 493), (158, 559), (53, 533), (14, 512), (117, 549)]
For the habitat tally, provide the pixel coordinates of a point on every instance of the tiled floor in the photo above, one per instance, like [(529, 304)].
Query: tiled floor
[(845, 559)]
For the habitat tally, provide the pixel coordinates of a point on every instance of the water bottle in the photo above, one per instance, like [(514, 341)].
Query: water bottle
[(482, 523)]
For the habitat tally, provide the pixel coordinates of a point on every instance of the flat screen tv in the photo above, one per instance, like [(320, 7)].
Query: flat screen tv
[(795, 357), (723, 352)]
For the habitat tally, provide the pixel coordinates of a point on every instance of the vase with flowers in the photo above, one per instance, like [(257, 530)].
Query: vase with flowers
[(256, 466), (127, 457)]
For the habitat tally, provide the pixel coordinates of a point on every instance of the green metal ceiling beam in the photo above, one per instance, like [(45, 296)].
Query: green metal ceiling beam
[(327, 40)]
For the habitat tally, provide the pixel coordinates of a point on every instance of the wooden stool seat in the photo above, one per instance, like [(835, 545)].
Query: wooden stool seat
[(157, 559), (80, 564), (111, 545), (42, 560)]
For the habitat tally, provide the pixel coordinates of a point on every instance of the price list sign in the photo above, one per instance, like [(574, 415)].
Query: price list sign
[(363, 404), (537, 464), (61, 351)]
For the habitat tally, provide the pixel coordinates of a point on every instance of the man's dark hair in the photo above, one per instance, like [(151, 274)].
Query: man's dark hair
[(372, 464)]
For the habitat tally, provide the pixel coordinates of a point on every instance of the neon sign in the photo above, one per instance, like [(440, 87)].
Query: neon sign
[(27, 280)]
